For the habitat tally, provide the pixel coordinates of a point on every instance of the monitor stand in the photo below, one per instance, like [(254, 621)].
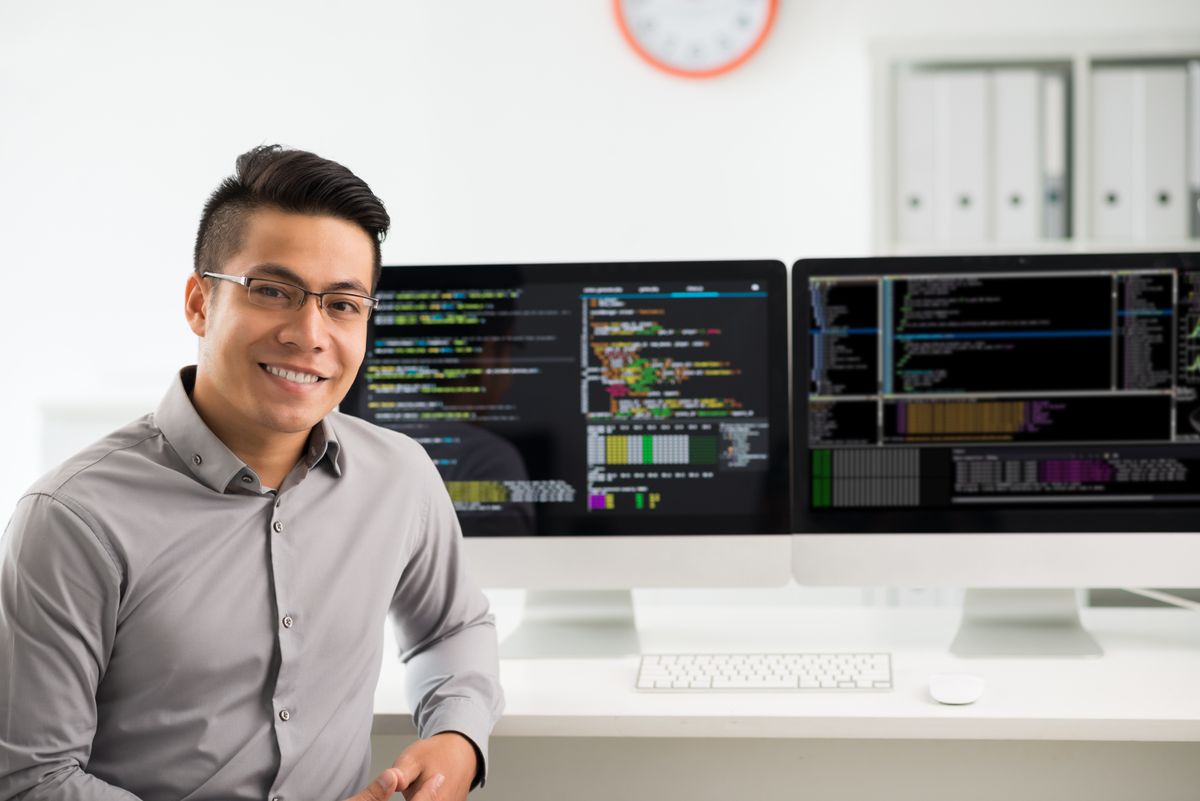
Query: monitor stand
[(1036, 623), (574, 625)]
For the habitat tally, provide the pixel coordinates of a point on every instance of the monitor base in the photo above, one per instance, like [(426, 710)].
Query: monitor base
[(1022, 623), (574, 625)]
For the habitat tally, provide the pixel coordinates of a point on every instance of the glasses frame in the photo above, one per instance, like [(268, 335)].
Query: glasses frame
[(244, 280)]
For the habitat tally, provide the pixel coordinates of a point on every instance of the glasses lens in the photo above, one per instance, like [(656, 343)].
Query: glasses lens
[(346, 307), (273, 295)]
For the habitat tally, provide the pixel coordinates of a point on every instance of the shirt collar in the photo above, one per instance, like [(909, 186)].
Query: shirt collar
[(207, 457), (323, 443)]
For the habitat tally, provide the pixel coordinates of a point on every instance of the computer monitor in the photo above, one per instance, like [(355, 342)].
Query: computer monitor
[(600, 427), (995, 422)]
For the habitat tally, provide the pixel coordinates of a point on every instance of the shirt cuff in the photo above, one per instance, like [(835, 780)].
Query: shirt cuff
[(467, 718)]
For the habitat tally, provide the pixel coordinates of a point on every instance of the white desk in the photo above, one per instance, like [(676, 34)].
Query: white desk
[(1124, 726)]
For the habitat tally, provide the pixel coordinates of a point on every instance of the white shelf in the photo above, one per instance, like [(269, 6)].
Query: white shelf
[(1080, 56)]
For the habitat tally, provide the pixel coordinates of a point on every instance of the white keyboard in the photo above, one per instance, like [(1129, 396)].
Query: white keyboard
[(814, 672)]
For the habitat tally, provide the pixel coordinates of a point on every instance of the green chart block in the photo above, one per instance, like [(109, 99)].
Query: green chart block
[(702, 450), (647, 451), (822, 479)]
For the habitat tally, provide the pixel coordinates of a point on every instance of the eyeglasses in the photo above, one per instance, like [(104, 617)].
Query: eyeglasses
[(342, 307)]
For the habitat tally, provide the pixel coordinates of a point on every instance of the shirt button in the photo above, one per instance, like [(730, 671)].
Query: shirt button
[(278, 527), (284, 715), (247, 480), (287, 621), (196, 460)]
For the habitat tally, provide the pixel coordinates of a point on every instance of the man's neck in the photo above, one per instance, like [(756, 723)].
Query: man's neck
[(270, 454)]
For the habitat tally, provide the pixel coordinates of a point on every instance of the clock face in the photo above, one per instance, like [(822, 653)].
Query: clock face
[(695, 38)]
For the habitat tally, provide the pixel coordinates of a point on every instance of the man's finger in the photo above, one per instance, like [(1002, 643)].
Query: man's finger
[(407, 771), (382, 789), (430, 789)]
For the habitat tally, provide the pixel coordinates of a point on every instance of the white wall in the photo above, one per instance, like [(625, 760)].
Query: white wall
[(495, 131)]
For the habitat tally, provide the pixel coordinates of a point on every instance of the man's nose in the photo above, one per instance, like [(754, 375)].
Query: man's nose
[(308, 326)]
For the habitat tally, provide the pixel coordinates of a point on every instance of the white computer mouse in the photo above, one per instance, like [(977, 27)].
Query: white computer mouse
[(955, 688)]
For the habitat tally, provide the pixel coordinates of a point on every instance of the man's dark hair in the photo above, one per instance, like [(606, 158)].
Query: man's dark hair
[(295, 181)]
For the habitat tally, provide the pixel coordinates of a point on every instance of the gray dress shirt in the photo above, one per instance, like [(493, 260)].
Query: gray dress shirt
[(169, 629)]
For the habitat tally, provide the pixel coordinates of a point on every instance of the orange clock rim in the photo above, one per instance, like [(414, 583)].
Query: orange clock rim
[(721, 69)]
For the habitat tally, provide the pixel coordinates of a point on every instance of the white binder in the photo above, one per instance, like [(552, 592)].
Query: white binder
[(1163, 214), (961, 142), (1016, 163), (1115, 92), (1053, 153), (1194, 148), (913, 202)]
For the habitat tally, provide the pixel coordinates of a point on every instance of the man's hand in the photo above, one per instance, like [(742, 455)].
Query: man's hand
[(421, 771), (441, 768)]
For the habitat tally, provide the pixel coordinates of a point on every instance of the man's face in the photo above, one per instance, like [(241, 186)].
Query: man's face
[(249, 356)]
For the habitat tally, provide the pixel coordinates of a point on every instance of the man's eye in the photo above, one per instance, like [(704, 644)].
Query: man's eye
[(270, 291), (345, 307)]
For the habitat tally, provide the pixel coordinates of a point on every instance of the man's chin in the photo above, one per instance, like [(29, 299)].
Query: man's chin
[(293, 423)]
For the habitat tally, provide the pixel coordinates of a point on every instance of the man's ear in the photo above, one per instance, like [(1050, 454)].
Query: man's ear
[(195, 305)]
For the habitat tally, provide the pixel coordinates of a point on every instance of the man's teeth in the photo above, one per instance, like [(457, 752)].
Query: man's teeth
[(290, 375)]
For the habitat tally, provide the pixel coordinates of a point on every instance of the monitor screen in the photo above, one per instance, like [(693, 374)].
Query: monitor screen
[(590, 399), (1036, 394)]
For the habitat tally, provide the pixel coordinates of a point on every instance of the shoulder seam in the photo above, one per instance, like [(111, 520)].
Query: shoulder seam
[(101, 458), (88, 523)]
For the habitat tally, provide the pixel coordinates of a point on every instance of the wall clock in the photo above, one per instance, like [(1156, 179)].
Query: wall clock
[(695, 38)]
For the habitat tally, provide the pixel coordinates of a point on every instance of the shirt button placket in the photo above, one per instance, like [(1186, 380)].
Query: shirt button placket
[(281, 561)]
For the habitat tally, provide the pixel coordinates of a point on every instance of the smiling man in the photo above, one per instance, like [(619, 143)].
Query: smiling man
[(193, 607)]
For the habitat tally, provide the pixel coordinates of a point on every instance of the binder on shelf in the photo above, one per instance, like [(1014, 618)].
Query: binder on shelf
[(1114, 94), (913, 201), (961, 201), (1053, 152), (1016, 163), (1163, 123), (989, 150), (1194, 148)]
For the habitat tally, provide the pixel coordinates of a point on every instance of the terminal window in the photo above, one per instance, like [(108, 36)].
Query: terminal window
[(1004, 389), (552, 406)]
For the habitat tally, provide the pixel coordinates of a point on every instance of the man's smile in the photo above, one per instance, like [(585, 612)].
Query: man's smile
[(294, 375)]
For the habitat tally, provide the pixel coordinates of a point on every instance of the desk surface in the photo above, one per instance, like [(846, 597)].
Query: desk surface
[(1145, 688)]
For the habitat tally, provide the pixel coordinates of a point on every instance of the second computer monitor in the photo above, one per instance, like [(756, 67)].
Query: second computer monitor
[(998, 422)]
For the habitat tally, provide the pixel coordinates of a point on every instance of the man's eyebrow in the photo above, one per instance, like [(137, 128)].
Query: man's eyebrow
[(289, 275)]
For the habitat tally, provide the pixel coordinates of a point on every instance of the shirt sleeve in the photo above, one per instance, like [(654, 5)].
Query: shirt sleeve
[(59, 595), (446, 633)]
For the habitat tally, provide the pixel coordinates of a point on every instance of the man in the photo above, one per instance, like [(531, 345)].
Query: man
[(192, 607)]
